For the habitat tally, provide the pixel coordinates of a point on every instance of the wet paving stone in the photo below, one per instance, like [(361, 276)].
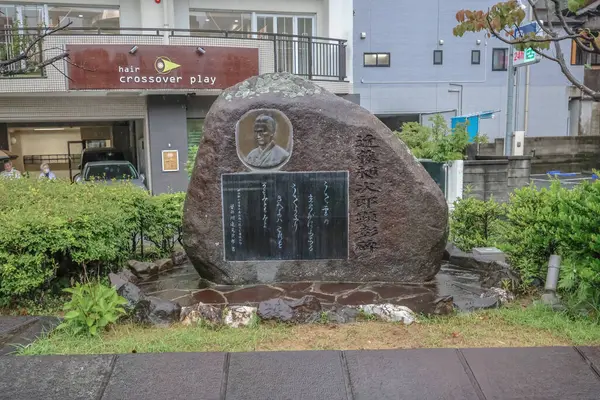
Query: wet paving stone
[(424, 303), (169, 294), (253, 294), (323, 298), (184, 283), (390, 290), (208, 296), (335, 288), (294, 287), (358, 298)]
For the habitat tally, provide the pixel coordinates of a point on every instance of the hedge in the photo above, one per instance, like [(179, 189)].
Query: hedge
[(55, 229), (535, 224)]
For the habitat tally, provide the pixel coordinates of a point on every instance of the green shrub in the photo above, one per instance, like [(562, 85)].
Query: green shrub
[(92, 308), (438, 142), (189, 166), (474, 222), (55, 229), (535, 225), (529, 235), (162, 221), (579, 240)]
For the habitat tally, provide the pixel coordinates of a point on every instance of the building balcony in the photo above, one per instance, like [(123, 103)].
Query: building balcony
[(315, 58)]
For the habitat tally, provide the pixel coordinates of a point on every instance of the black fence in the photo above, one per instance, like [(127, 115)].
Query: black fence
[(50, 158), (313, 57)]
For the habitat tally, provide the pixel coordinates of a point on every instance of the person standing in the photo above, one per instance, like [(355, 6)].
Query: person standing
[(45, 172), (10, 171)]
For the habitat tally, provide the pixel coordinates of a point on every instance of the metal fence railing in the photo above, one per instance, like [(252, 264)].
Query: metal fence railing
[(313, 57)]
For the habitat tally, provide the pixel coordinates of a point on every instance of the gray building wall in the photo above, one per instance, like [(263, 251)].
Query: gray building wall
[(410, 31), (167, 130)]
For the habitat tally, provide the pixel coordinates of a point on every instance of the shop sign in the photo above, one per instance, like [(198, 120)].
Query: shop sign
[(170, 160), (110, 67)]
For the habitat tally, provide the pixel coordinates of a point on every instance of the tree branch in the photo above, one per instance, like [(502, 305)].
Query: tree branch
[(560, 59), (25, 54), (4, 71)]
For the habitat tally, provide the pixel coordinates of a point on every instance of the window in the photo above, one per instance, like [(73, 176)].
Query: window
[(580, 57), (438, 57), (232, 21), (376, 59), (499, 59), (83, 17), (475, 57)]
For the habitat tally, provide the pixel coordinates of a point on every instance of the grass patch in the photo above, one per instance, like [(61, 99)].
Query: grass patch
[(515, 326)]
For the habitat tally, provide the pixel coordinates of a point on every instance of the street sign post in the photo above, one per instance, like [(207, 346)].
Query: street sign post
[(525, 57), (517, 59)]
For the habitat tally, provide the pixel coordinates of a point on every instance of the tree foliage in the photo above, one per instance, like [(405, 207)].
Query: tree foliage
[(23, 51), (503, 19), (436, 142)]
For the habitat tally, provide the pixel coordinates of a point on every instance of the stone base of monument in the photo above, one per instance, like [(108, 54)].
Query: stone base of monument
[(454, 287)]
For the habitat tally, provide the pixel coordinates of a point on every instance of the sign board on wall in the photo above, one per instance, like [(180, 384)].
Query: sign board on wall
[(106, 67), (170, 160)]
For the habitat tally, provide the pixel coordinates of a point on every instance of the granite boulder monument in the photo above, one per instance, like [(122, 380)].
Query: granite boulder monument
[(293, 183)]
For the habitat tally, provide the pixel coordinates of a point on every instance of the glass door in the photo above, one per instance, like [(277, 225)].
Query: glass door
[(292, 52)]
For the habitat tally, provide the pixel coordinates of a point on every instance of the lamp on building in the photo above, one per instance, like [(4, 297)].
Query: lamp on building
[(133, 50), (200, 50), (441, 42), (478, 42)]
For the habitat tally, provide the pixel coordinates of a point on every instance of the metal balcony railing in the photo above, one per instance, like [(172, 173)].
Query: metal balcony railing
[(313, 57)]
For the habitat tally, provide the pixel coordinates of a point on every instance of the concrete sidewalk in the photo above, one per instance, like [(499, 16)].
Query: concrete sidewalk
[(561, 373)]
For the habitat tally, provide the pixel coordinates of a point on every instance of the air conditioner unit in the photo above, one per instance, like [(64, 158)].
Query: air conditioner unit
[(518, 143)]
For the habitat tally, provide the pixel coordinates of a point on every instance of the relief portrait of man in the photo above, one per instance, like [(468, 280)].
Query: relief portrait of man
[(267, 153)]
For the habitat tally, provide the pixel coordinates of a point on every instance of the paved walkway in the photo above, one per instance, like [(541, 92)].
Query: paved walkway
[(545, 373), (561, 373)]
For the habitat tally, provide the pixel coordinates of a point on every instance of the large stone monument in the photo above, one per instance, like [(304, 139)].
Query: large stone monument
[(293, 183)]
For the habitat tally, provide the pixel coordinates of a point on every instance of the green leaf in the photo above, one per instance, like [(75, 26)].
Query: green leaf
[(72, 315)]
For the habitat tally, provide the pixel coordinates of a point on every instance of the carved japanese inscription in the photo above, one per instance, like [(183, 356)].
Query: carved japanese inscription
[(285, 216), (367, 195)]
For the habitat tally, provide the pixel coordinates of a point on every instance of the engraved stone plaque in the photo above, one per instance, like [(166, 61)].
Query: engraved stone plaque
[(285, 216)]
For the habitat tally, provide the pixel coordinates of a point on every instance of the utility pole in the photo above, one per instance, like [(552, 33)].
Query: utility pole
[(510, 104)]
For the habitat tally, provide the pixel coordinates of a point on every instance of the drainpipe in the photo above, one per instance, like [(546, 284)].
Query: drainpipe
[(165, 21)]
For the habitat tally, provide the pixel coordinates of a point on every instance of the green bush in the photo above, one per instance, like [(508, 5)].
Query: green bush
[(474, 222), (529, 235), (438, 142), (535, 224), (162, 221), (192, 153), (578, 234), (55, 229), (92, 308)]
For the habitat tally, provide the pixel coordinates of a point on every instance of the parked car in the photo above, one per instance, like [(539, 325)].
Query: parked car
[(109, 172), (98, 154), (101, 154)]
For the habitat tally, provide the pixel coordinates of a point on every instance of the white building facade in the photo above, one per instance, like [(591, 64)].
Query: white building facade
[(95, 100)]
